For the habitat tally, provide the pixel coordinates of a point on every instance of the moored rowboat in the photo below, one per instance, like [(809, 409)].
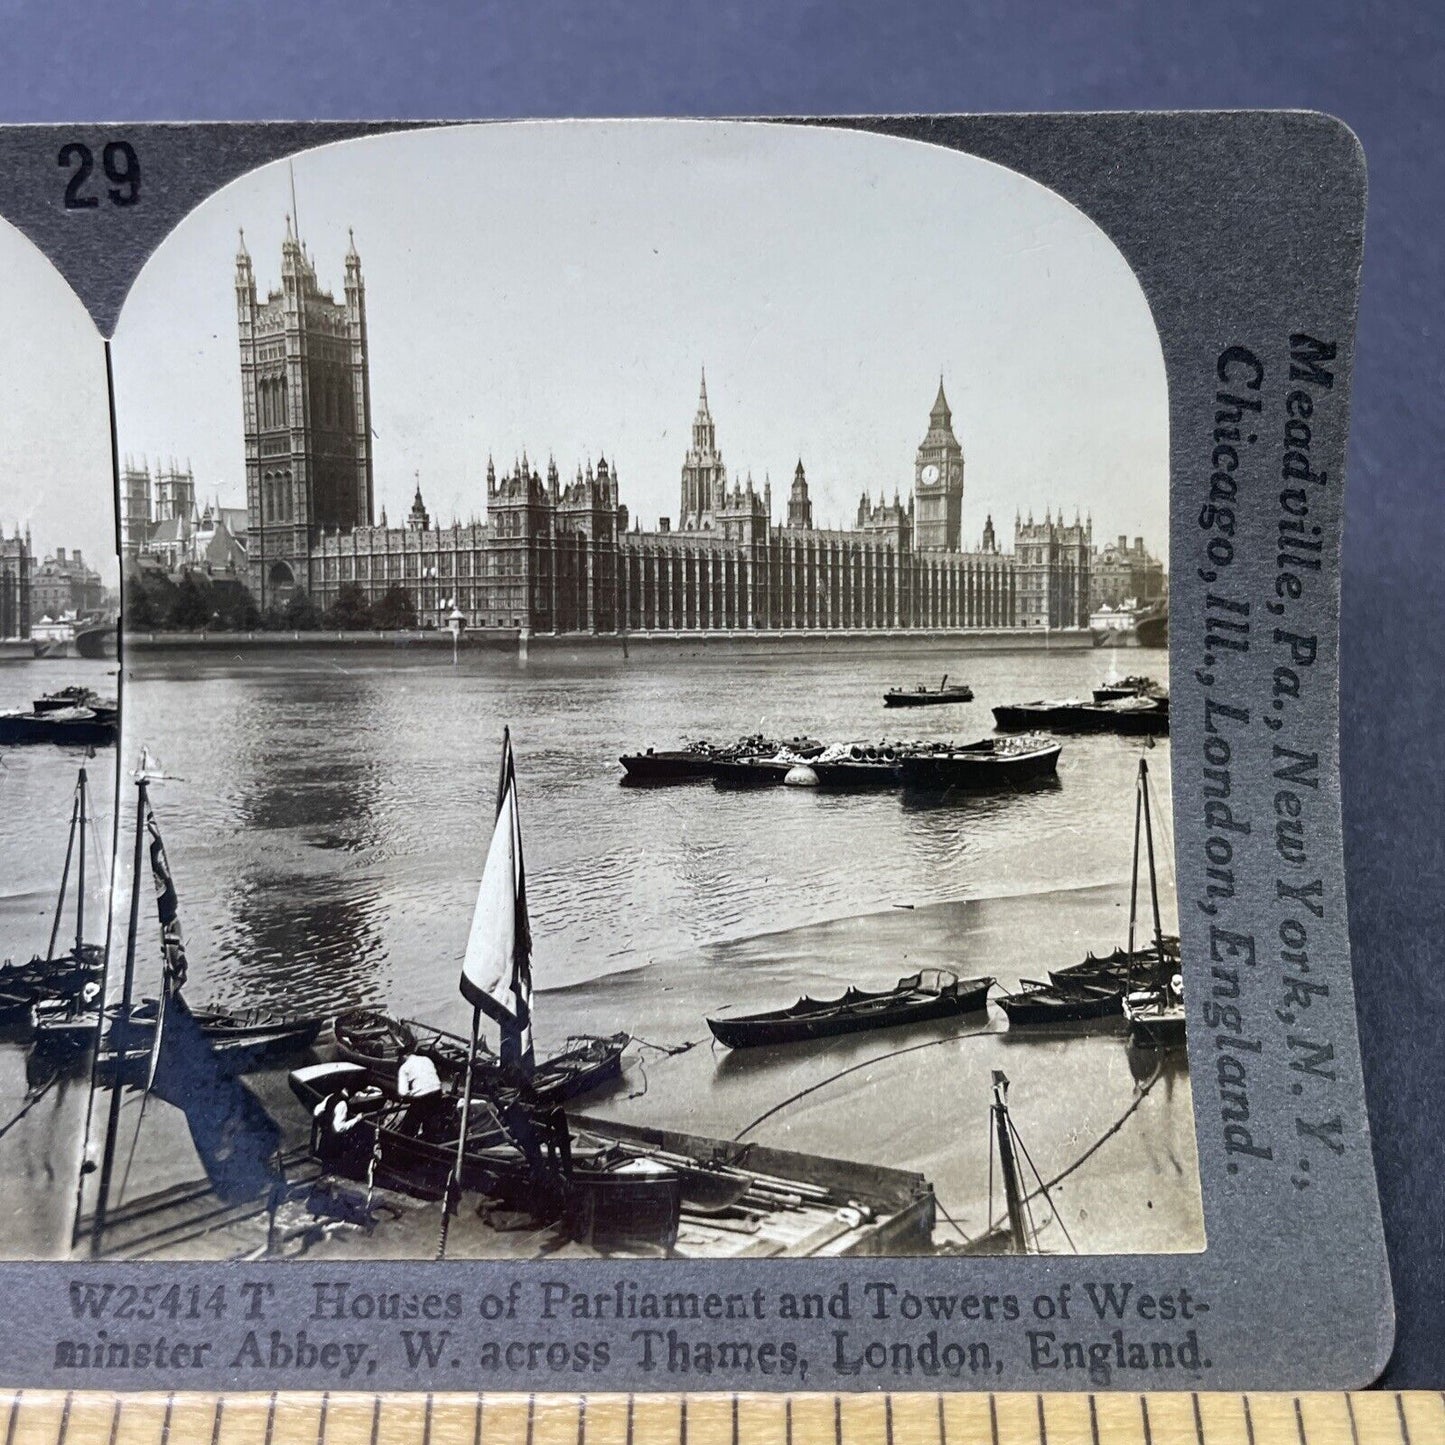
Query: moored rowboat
[(933, 993), (982, 766)]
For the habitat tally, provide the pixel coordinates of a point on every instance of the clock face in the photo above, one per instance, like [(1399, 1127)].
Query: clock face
[(930, 473)]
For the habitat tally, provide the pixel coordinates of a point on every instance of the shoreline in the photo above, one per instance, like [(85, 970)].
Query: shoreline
[(520, 640)]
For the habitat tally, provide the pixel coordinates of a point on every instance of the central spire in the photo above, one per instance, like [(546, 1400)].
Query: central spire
[(941, 413), (702, 410)]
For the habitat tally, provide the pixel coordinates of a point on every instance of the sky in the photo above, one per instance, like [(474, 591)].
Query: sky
[(558, 287), (55, 468)]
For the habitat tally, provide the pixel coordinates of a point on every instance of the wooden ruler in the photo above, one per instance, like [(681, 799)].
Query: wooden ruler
[(83, 1417)]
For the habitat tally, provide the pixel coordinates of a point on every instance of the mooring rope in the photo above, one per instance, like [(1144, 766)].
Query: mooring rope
[(853, 1069), (30, 1103), (1046, 1184)]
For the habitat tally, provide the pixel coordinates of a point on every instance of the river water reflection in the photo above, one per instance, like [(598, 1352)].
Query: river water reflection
[(326, 817)]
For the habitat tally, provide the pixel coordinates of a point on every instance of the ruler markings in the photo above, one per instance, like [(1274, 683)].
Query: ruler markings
[(1426, 1415), (81, 1417)]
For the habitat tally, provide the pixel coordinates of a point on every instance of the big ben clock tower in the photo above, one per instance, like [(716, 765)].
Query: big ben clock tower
[(938, 483)]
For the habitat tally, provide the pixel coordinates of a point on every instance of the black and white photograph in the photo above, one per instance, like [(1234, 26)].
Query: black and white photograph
[(646, 718), (59, 599)]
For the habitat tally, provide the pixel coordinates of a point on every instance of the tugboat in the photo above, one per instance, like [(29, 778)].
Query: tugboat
[(925, 696)]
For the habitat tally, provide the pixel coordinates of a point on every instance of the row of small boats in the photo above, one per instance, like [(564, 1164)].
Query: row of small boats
[(986, 765), (1121, 984), (1142, 985)]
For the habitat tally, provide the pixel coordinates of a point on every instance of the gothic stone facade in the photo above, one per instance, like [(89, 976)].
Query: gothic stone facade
[(15, 569), (306, 400), (555, 557)]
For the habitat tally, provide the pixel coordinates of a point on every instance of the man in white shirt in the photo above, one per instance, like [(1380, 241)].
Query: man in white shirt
[(419, 1084)]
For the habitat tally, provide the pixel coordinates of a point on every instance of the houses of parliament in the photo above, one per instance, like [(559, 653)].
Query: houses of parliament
[(563, 555)]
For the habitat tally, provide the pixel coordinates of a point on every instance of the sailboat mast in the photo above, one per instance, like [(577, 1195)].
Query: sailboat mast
[(112, 1126), (64, 876), (80, 869), (1153, 879), (1008, 1165), (1134, 874), (454, 1185)]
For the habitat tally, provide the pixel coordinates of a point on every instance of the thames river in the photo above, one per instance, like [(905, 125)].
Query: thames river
[(325, 813)]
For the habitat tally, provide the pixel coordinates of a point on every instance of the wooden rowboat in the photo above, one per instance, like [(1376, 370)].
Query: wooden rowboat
[(933, 993)]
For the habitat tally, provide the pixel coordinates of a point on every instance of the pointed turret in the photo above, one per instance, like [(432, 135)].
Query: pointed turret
[(800, 505), (941, 416)]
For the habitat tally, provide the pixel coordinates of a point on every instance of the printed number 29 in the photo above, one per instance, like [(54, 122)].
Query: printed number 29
[(119, 162)]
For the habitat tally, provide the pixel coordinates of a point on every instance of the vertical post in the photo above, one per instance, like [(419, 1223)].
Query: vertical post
[(1153, 880), (1008, 1165), (64, 876), (80, 867), (1134, 873), (112, 1127), (454, 1185)]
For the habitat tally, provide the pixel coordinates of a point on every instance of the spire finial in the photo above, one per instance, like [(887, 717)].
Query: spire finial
[(702, 395), (941, 410)]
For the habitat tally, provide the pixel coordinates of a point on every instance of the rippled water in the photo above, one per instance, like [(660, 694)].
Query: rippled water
[(325, 814), (329, 816)]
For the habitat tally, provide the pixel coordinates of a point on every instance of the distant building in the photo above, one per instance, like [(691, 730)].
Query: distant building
[(1052, 565), (162, 526), (306, 408), (15, 564), (1120, 573), (63, 584), (566, 557)]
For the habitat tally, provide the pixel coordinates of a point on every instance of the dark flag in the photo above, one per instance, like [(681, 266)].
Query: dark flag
[(236, 1139)]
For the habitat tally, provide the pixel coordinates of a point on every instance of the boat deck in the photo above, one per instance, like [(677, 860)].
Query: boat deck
[(796, 1205)]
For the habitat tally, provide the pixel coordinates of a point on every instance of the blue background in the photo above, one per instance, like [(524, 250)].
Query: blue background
[(1378, 66)]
